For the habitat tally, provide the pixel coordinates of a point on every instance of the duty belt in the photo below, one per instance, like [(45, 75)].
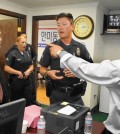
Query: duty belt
[(67, 88)]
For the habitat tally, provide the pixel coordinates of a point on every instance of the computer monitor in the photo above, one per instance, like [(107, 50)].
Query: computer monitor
[(11, 117)]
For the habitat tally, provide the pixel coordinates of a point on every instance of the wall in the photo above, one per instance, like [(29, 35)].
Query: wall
[(4, 17), (99, 44), (112, 44)]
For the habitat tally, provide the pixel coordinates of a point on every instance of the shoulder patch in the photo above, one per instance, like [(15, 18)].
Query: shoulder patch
[(78, 51)]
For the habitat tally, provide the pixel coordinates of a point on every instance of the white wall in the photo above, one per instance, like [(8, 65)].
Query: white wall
[(13, 7), (4, 17), (111, 43), (98, 50)]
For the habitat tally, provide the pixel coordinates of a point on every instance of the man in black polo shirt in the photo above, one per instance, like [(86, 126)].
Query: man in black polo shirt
[(64, 85)]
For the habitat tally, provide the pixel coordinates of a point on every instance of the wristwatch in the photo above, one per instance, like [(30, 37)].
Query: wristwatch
[(84, 27), (58, 52)]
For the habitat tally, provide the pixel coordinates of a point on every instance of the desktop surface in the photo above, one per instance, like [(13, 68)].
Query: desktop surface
[(98, 128)]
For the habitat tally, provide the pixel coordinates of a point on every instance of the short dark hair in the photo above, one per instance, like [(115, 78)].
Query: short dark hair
[(67, 15)]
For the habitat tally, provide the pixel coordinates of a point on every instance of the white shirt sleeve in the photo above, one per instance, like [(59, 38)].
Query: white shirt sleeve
[(104, 73)]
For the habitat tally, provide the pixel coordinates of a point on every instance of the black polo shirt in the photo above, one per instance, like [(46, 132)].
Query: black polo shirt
[(75, 48), (19, 61), (29, 48)]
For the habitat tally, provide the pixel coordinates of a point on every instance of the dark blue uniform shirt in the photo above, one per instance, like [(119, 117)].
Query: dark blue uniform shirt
[(19, 61), (75, 48)]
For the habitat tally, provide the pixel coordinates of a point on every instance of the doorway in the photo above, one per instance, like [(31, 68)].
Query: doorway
[(41, 91)]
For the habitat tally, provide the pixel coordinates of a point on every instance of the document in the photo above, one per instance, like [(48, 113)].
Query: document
[(67, 110)]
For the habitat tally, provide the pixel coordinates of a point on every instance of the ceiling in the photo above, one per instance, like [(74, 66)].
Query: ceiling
[(110, 4), (41, 3)]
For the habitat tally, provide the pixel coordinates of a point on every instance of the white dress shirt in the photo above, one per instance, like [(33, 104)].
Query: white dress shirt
[(106, 73)]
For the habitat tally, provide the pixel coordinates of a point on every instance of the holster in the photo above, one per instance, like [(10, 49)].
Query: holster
[(79, 88), (11, 78), (49, 86)]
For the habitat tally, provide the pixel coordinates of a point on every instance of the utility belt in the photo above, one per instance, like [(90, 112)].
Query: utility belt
[(72, 90), (13, 76), (67, 88)]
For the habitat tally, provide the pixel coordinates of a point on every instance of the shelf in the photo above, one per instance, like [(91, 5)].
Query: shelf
[(111, 25), (110, 34)]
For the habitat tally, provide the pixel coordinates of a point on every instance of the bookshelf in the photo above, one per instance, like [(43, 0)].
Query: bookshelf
[(111, 24)]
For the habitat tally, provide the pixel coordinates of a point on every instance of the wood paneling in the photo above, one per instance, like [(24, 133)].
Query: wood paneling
[(8, 29)]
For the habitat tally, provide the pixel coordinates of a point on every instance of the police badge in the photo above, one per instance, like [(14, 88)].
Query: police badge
[(78, 52)]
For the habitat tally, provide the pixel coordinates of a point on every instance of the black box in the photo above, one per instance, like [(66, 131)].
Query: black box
[(57, 123)]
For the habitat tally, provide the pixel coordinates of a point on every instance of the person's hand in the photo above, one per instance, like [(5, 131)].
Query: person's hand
[(54, 49), (68, 73), (20, 75), (26, 74), (53, 75)]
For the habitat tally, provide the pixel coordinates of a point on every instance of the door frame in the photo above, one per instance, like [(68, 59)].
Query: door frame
[(35, 20), (16, 15)]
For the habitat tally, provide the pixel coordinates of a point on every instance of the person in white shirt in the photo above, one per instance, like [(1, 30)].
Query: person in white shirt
[(106, 73)]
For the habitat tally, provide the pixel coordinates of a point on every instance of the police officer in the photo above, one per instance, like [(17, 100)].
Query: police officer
[(65, 86), (29, 48), (33, 54), (19, 65)]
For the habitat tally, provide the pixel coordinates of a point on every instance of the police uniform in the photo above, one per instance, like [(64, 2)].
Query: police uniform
[(29, 48), (20, 87), (31, 51), (66, 89)]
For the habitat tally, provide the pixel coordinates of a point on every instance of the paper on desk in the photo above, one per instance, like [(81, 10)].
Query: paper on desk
[(67, 110)]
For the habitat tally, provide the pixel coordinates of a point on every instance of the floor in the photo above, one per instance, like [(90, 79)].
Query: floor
[(41, 94)]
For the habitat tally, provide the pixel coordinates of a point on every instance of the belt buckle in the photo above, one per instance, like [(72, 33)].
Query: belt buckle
[(67, 89)]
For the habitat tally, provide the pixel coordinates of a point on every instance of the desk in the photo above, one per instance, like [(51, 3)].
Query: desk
[(98, 128)]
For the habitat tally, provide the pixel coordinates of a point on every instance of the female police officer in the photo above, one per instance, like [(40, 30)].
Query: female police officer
[(19, 65)]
